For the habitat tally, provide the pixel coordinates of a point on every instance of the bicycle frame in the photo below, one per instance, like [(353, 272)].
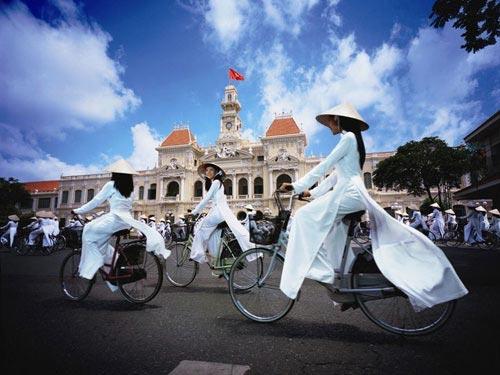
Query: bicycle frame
[(342, 279)]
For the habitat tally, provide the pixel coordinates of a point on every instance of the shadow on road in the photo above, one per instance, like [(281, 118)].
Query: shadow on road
[(60, 305), (298, 329)]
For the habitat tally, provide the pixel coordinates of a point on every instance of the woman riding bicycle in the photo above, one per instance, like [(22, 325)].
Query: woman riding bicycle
[(219, 212), (405, 257), (118, 192)]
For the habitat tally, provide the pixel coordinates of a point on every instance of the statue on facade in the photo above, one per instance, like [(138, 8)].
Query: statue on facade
[(283, 155), (226, 152), (173, 164)]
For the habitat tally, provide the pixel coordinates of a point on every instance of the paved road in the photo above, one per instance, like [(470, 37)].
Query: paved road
[(107, 335)]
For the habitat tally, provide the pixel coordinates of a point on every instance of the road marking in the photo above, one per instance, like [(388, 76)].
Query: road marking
[(208, 368)]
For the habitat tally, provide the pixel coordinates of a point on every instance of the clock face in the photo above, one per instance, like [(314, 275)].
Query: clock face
[(229, 125)]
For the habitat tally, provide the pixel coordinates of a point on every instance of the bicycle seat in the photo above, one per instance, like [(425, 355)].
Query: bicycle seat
[(354, 216), (222, 225), (122, 232)]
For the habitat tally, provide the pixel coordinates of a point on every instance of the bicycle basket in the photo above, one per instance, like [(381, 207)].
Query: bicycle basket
[(180, 232), (134, 253), (73, 237), (266, 230)]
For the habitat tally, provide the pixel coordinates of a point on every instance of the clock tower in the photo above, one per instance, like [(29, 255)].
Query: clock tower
[(230, 123)]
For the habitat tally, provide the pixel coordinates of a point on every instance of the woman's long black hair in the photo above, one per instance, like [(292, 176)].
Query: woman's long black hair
[(218, 176), (124, 183), (353, 126)]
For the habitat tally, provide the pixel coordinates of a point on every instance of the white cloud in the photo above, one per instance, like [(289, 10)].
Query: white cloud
[(145, 140), (57, 76), (229, 24), (347, 73), (424, 88), (227, 20), (46, 167), (24, 160)]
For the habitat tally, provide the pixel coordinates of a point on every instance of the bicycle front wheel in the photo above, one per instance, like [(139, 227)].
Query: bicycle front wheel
[(139, 274), (23, 248), (254, 282), (179, 269), (73, 286), (393, 311)]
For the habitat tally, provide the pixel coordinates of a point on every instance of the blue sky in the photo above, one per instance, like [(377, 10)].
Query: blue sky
[(83, 83)]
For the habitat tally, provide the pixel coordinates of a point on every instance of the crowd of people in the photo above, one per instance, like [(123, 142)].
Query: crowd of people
[(44, 224), (436, 224)]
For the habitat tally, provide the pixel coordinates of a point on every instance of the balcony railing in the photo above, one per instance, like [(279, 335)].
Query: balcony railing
[(171, 198)]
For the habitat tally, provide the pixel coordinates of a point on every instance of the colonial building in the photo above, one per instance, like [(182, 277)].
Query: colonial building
[(254, 169)]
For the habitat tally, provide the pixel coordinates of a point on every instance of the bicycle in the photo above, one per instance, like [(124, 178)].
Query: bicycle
[(181, 270), (137, 273), (358, 282), (24, 248), (362, 232)]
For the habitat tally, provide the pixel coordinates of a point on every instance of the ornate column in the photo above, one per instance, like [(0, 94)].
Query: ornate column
[(162, 193), (182, 193), (235, 187), (250, 186), (271, 183)]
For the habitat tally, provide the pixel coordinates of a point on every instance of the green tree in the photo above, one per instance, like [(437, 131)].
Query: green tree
[(12, 194), (420, 166), (479, 18)]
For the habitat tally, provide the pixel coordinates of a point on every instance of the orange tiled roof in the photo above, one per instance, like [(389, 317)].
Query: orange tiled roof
[(40, 186), (178, 137), (282, 126)]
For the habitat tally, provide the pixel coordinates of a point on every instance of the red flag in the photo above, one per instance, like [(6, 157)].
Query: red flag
[(233, 74)]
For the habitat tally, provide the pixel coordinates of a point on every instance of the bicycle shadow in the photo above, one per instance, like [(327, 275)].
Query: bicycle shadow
[(90, 304), (194, 289), (291, 328)]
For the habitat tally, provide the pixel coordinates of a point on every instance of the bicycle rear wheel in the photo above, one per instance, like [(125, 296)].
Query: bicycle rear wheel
[(145, 274), (179, 269), (393, 311), (23, 248), (60, 242), (73, 286), (254, 286)]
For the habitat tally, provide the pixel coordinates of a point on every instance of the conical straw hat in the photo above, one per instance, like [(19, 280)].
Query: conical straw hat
[(13, 217), (143, 217), (44, 214), (347, 113), (435, 205), (495, 212), (481, 209), (450, 211), (152, 218), (414, 207), (121, 166)]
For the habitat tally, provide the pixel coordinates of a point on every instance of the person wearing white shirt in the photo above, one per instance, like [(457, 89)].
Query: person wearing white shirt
[(218, 213), (10, 230)]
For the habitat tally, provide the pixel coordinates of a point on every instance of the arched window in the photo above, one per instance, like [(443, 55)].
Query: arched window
[(172, 189), (258, 185), (243, 186), (228, 187), (141, 193), (281, 179), (229, 97), (368, 180), (198, 189), (90, 194), (152, 192), (78, 196)]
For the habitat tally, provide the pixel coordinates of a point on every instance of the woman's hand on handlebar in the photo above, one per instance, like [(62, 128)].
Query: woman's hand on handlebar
[(305, 194), (286, 186)]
